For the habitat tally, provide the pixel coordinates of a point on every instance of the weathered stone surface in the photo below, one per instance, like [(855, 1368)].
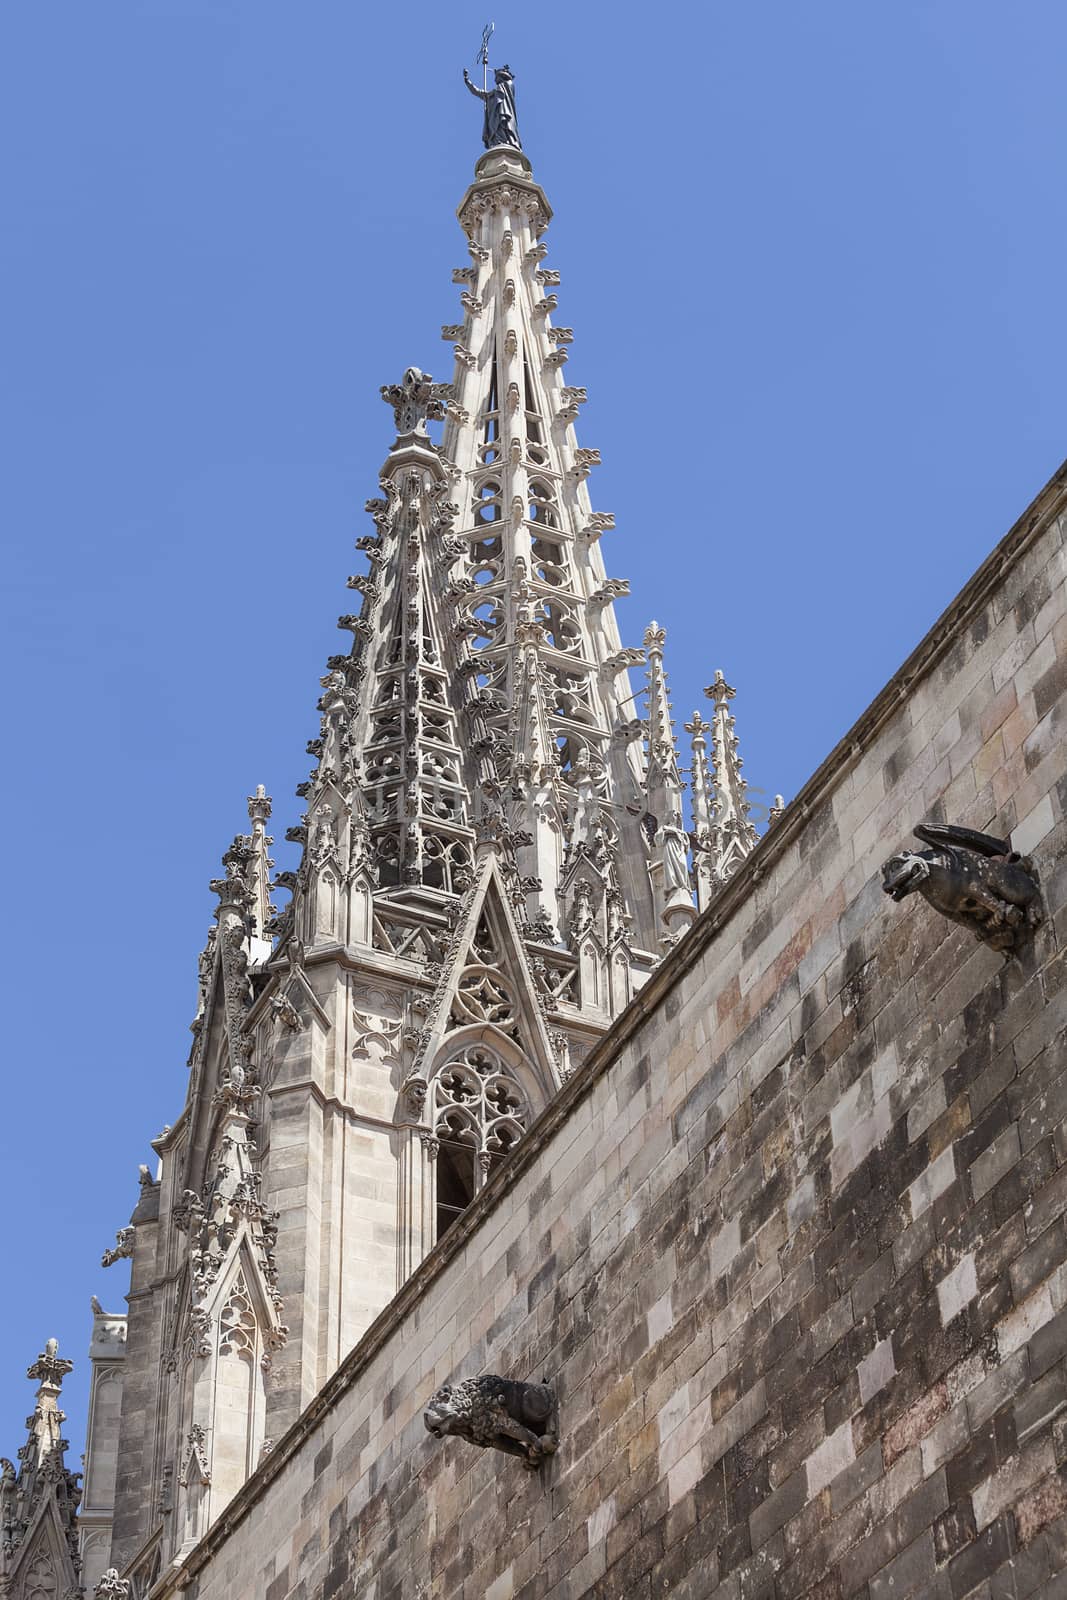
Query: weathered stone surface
[(795, 1264)]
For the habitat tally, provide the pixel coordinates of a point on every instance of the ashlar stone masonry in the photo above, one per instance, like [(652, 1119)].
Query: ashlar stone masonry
[(790, 1244)]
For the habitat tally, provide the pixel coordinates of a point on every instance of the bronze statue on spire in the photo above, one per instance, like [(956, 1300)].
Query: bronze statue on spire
[(500, 126)]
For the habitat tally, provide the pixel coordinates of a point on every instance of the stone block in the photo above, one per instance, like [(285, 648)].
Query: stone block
[(1020, 1325), (1008, 1482), (957, 1289), (915, 1423), (1039, 1506), (834, 1454), (932, 1182)]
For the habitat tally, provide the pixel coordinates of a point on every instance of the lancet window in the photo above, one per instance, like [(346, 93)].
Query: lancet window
[(542, 504), (477, 1112), (535, 436), (562, 628), (550, 564), (487, 502), (446, 863), (490, 445)]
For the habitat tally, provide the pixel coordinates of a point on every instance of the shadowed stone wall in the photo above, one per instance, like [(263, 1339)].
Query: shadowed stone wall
[(791, 1244)]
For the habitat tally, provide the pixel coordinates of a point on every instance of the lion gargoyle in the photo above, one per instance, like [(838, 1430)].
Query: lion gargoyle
[(519, 1418), (975, 880)]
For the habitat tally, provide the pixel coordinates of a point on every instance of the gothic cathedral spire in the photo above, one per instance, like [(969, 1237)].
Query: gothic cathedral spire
[(493, 858)]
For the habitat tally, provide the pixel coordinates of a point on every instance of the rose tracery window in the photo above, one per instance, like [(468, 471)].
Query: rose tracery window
[(478, 1114)]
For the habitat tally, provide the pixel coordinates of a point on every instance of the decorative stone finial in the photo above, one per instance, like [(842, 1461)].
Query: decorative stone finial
[(720, 691), (49, 1368), (416, 400), (259, 805)]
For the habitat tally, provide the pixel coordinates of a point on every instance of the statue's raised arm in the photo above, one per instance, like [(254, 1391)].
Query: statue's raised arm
[(482, 94), (500, 126)]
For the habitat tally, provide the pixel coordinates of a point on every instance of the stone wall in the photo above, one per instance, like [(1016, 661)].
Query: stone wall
[(791, 1244)]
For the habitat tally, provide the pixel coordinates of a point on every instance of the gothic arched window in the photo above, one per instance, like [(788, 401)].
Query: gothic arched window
[(477, 1114), (542, 507), (550, 562), (487, 502)]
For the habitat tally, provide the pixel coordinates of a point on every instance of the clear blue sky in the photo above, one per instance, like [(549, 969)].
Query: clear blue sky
[(814, 259)]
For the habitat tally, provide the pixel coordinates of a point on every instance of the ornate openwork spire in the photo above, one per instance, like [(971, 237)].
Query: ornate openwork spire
[(663, 792), (259, 807), (486, 674), (731, 835), (492, 858), (702, 807)]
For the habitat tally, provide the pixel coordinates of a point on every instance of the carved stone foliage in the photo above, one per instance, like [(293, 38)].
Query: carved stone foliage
[(502, 197), (231, 1207), (521, 1419), (974, 879), (194, 1467)]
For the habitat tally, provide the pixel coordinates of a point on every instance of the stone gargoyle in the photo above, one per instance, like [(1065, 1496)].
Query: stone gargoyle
[(519, 1418), (972, 878)]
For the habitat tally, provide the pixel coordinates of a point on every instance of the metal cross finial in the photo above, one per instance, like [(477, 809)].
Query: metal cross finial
[(483, 52)]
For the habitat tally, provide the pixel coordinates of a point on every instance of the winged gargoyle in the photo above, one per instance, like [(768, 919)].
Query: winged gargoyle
[(972, 878)]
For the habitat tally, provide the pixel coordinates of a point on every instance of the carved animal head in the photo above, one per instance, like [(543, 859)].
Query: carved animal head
[(448, 1410), (903, 874)]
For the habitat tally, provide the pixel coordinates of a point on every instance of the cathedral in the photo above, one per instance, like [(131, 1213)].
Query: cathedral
[(556, 1115)]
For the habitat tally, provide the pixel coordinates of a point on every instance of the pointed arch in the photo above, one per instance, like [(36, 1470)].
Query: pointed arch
[(482, 1095), (528, 1076)]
